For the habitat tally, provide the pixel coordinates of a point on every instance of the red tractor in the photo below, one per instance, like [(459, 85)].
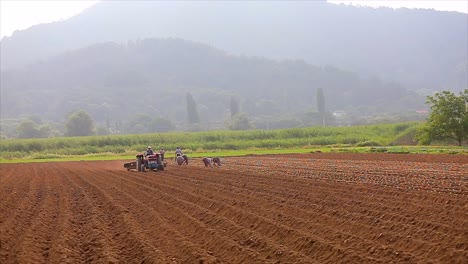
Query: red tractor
[(142, 163)]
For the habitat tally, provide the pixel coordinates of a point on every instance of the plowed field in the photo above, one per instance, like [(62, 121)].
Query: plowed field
[(308, 208)]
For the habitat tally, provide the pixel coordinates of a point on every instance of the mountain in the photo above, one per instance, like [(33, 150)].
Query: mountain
[(116, 82), (421, 49)]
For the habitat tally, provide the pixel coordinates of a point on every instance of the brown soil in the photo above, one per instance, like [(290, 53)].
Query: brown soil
[(308, 208)]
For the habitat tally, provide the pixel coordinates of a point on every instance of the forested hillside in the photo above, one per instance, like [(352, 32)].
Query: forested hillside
[(421, 49), (115, 82), (135, 65)]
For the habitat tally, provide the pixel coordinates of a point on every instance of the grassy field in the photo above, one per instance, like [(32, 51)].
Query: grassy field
[(394, 138)]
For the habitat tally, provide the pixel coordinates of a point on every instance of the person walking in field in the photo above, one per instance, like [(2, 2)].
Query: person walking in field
[(162, 151)]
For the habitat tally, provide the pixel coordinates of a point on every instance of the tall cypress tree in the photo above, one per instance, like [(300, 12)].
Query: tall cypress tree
[(234, 107), (321, 105), (192, 112)]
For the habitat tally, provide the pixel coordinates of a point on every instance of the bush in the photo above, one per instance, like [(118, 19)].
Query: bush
[(370, 143), (374, 149)]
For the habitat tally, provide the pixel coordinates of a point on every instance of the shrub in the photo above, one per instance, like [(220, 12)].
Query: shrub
[(374, 149), (367, 144)]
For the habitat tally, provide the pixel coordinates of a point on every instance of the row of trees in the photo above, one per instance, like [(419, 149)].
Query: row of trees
[(448, 120), (78, 123), (81, 123), (261, 86), (239, 120)]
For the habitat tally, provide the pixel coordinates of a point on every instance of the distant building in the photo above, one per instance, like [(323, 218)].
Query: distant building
[(339, 114)]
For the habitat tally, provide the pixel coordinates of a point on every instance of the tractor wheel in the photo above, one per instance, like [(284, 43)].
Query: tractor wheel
[(138, 164), (143, 167)]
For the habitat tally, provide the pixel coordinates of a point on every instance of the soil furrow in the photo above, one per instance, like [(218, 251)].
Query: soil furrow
[(16, 227), (12, 196), (113, 230), (298, 208), (244, 218), (166, 208), (300, 218)]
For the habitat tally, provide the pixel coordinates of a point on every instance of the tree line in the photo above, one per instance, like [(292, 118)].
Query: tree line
[(149, 75), (81, 123), (447, 121)]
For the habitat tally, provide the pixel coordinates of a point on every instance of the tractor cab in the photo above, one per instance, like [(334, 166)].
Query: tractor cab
[(143, 163)]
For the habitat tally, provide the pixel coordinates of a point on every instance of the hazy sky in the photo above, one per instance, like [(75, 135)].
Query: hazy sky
[(17, 15), (444, 5)]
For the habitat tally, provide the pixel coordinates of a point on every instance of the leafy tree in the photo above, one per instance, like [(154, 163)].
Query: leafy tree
[(192, 111), (144, 123), (311, 118), (240, 122), (28, 129), (162, 125), (448, 118), (234, 107), (80, 123), (267, 107), (36, 119), (138, 124), (321, 105), (46, 130), (102, 130)]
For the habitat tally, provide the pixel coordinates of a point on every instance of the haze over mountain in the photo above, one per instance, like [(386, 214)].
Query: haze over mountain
[(152, 76), (422, 49), (127, 63)]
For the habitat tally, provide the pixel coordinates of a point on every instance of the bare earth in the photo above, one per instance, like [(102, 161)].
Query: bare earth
[(308, 208)]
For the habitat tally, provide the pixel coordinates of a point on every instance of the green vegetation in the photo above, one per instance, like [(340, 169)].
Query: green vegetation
[(375, 138), (80, 123), (134, 96), (448, 118), (239, 122), (192, 112)]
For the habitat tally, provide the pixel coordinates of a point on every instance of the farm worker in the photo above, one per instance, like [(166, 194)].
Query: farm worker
[(149, 151), (178, 152), (207, 162), (162, 151)]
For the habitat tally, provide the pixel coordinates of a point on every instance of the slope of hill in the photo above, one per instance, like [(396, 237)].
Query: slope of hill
[(116, 81), (422, 49)]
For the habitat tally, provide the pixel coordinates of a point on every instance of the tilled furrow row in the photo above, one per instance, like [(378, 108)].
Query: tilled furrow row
[(382, 228), (307, 221), (379, 196), (274, 174), (450, 177), (14, 229), (367, 208), (111, 233), (38, 239), (8, 173), (266, 229), (59, 233), (13, 191), (171, 215), (305, 208), (81, 240)]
